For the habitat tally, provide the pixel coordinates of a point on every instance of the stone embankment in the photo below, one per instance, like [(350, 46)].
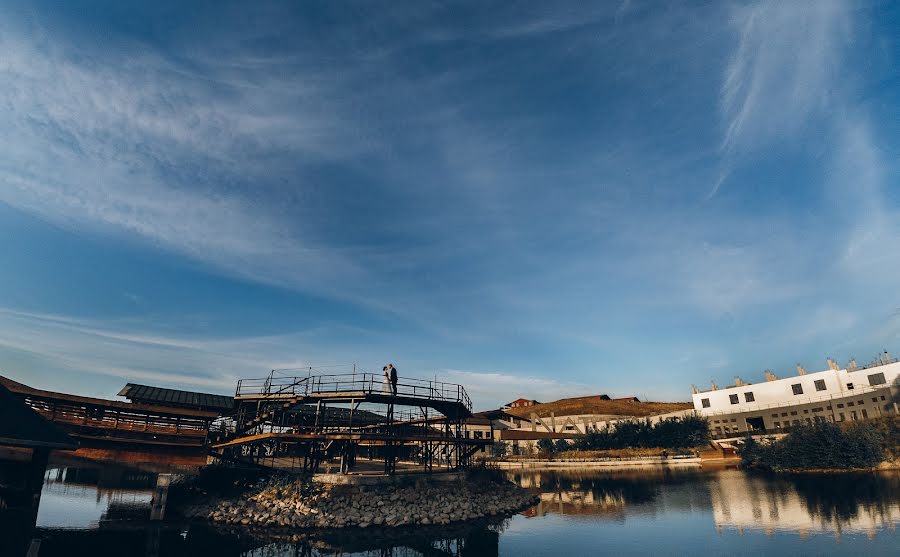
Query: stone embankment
[(304, 505)]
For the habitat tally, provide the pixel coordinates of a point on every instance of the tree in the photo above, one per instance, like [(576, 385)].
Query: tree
[(545, 445)]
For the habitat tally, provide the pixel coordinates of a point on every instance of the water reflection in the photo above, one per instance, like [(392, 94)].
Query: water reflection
[(101, 511), (803, 503), (199, 539), (610, 493), (833, 503), (88, 497)]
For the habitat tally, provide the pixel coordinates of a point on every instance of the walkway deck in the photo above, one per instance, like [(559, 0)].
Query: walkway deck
[(451, 400)]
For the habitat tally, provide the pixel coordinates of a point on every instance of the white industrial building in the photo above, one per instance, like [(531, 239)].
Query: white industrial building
[(835, 394)]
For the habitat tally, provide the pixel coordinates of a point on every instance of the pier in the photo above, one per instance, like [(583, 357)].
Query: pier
[(298, 422)]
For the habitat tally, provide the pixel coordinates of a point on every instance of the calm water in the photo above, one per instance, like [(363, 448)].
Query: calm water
[(106, 511)]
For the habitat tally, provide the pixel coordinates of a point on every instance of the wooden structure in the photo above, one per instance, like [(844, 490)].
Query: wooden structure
[(99, 420), (160, 396), (21, 483), (318, 417)]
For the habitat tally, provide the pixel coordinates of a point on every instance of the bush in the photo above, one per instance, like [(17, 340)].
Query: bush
[(498, 449), (817, 445), (674, 433), (545, 445)]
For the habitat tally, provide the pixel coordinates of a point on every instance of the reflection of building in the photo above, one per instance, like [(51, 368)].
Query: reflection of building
[(804, 505), (577, 502), (610, 494), (776, 405)]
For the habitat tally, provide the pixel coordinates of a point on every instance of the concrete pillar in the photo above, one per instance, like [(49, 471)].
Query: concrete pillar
[(158, 506)]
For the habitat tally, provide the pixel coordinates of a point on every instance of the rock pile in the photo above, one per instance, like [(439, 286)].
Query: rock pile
[(304, 505)]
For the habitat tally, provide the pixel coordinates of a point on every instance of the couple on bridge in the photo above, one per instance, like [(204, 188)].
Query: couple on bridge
[(390, 380)]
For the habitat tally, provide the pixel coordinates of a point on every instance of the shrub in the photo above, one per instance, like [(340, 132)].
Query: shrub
[(673, 433), (498, 448), (561, 445), (545, 445), (817, 445)]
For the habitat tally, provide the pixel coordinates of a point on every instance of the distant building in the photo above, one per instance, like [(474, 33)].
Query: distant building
[(487, 425), (584, 398), (520, 428), (521, 403), (776, 405)]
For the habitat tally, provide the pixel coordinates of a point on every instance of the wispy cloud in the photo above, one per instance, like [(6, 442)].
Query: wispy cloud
[(126, 139), (126, 351), (785, 70), (493, 389), (526, 179)]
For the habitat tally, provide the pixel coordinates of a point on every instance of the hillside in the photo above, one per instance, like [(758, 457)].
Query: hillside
[(572, 406)]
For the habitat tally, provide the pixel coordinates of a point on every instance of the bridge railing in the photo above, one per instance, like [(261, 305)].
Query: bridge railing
[(367, 383)]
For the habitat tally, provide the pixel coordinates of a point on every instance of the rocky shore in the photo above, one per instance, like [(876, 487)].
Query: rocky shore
[(300, 504)]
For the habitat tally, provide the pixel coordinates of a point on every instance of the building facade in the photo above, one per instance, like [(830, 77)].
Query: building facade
[(776, 405), (521, 403)]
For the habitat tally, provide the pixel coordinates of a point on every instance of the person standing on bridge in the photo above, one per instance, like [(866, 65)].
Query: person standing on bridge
[(386, 388), (393, 379)]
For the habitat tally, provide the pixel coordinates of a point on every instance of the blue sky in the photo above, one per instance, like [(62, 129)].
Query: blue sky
[(535, 199)]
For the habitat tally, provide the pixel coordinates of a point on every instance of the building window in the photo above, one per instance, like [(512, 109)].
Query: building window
[(850, 403), (841, 414), (733, 398), (820, 384), (783, 414), (882, 397), (793, 413), (797, 388), (748, 396), (849, 386), (840, 405), (865, 414), (877, 379), (774, 415), (874, 399), (733, 419), (777, 424), (806, 410), (853, 415), (704, 402)]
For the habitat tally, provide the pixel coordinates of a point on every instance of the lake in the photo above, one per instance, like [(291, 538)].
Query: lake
[(101, 511)]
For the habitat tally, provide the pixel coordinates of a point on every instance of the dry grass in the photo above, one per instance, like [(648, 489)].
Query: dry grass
[(570, 407)]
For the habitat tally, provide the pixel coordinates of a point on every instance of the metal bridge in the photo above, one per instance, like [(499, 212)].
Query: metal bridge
[(306, 420)]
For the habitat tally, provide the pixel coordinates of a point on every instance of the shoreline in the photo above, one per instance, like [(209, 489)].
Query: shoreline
[(603, 463), (309, 505)]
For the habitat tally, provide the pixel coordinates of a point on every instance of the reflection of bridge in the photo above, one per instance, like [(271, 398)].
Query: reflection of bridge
[(318, 417)]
